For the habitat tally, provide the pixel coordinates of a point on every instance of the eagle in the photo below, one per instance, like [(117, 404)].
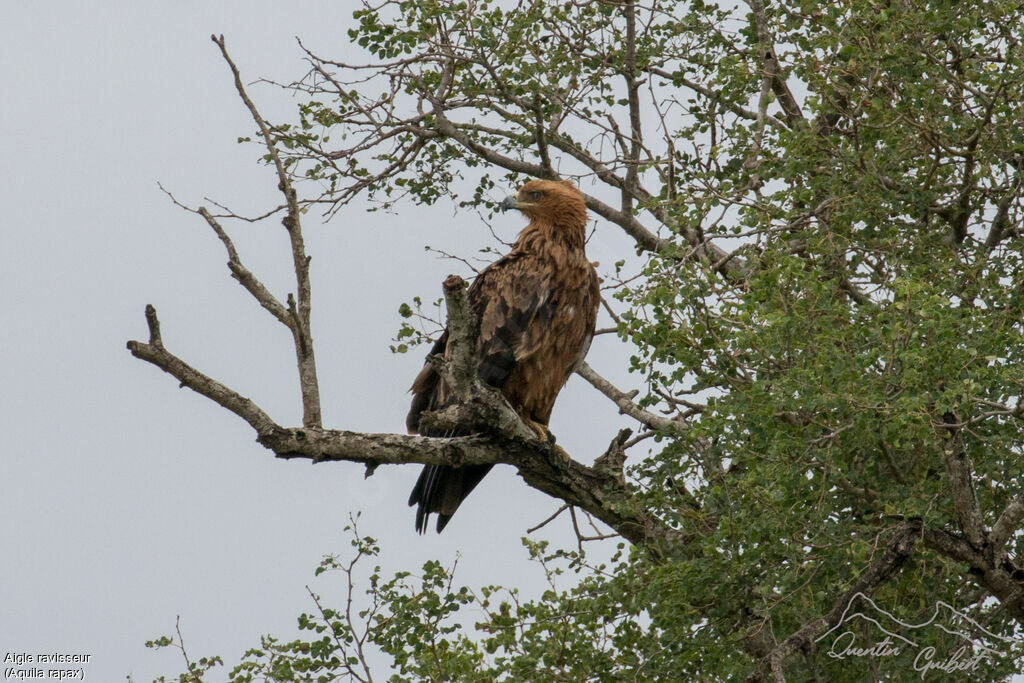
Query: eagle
[(536, 308)]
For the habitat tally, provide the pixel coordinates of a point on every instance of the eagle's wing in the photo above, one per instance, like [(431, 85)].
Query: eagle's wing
[(511, 301)]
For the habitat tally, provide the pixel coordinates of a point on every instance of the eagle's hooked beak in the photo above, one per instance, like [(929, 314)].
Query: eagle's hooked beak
[(507, 203)]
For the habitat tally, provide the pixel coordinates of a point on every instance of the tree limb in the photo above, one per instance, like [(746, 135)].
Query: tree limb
[(897, 551), (301, 329), (625, 404), (960, 470), (998, 575), (772, 68), (155, 353), (1007, 525), (505, 439)]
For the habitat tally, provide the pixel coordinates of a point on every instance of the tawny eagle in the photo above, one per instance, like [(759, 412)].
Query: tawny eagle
[(536, 308)]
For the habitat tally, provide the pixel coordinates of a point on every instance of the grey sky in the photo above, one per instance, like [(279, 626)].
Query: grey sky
[(127, 501)]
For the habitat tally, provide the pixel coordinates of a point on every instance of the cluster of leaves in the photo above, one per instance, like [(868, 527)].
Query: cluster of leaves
[(418, 327), (417, 624), (194, 671)]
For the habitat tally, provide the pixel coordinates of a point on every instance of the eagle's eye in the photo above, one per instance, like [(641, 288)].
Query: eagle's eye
[(536, 195)]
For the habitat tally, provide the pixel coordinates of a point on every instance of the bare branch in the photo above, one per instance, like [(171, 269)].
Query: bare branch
[(154, 327), (549, 519), (611, 312), (625, 403), (504, 438), (245, 276), (268, 140), (301, 330), (462, 340), (155, 353), (238, 270), (181, 644)]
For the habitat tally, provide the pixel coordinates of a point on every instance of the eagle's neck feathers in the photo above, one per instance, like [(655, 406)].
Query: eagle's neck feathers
[(548, 239)]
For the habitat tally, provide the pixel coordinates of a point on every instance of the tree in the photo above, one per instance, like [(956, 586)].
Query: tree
[(825, 308)]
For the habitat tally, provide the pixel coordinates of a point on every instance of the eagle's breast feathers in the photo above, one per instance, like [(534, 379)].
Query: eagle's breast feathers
[(537, 309)]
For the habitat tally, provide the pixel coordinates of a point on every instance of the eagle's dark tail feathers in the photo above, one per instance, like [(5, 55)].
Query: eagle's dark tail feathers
[(442, 489)]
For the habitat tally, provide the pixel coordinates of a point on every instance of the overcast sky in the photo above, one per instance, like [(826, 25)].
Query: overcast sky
[(126, 500)]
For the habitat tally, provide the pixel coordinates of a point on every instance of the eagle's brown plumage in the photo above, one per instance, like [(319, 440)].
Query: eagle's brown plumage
[(537, 307)]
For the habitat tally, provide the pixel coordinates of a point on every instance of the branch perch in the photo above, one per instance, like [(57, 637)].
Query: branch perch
[(504, 437)]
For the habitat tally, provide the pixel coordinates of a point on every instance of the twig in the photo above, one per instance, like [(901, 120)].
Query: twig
[(581, 538), (348, 618), (184, 652), (543, 524), (610, 311)]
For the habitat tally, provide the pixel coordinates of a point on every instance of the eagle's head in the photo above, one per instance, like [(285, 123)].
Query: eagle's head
[(557, 202)]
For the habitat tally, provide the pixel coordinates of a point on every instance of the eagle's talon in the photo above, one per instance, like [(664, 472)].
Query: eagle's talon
[(548, 440), (542, 432)]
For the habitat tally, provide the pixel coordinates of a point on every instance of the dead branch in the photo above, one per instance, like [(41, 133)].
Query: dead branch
[(505, 439), (549, 519), (625, 403), (300, 325), (155, 353), (246, 278)]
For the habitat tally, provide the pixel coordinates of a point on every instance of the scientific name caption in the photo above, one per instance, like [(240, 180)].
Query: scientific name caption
[(45, 666)]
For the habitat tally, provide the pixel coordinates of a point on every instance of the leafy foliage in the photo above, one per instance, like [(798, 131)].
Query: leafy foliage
[(826, 202)]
